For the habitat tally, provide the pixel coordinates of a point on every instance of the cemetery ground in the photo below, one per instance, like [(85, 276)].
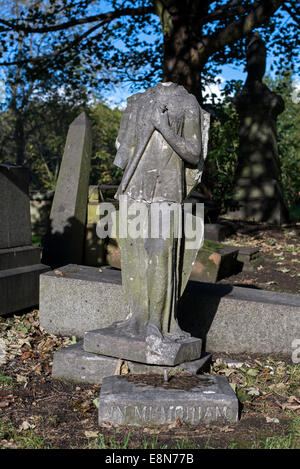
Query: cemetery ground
[(37, 411)]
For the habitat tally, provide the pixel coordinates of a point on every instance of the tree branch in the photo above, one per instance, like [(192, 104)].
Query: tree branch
[(106, 17), (55, 53), (293, 14), (229, 10), (239, 28)]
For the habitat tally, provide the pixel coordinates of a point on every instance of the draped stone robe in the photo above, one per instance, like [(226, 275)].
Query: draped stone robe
[(155, 271)]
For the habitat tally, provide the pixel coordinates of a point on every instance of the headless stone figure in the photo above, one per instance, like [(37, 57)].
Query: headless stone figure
[(160, 145)]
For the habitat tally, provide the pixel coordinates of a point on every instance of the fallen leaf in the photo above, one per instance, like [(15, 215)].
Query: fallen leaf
[(96, 402), (253, 391), (226, 429), (91, 434), (272, 420), (21, 379), (106, 425), (118, 367), (4, 404), (293, 403), (124, 368), (26, 426), (176, 423)]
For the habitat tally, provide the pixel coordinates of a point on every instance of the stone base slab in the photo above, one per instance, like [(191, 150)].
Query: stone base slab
[(127, 403), (19, 257), (73, 363), (111, 342), (235, 319), (19, 287), (80, 298)]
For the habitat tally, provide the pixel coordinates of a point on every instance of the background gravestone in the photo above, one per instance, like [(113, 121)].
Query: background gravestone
[(258, 189), (20, 265), (64, 242), (15, 229)]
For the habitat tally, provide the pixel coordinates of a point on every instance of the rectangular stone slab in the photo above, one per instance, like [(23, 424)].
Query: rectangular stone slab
[(79, 299), (111, 343), (19, 287), (127, 403), (75, 364), (231, 319), (21, 256)]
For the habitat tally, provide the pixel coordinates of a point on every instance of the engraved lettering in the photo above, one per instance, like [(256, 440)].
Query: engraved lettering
[(179, 412), (208, 413)]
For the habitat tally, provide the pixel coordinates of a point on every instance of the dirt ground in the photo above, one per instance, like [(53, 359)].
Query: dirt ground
[(279, 253), (37, 411)]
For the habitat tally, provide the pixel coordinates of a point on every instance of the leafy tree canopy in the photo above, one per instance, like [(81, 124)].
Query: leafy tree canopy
[(143, 41)]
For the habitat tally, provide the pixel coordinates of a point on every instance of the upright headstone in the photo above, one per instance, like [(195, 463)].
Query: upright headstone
[(258, 190), (15, 229), (64, 242), (20, 265)]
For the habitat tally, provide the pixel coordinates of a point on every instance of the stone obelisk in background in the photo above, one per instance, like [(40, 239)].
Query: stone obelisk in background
[(65, 238), (258, 189)]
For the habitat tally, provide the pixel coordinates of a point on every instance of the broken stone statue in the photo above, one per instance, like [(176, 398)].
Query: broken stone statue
[(161, 146)]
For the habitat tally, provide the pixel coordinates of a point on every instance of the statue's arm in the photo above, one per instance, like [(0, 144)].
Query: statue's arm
[(125, 141), (188, 147)]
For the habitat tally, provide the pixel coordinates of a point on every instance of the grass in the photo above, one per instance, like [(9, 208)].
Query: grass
[(11, 437), (100, 443), (6, 382), (283, 441)]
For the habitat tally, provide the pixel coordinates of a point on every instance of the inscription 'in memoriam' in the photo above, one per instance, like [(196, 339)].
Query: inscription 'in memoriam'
[(166, 414)]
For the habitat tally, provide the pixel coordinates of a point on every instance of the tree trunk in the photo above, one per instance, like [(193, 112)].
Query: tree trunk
[(183, 60)]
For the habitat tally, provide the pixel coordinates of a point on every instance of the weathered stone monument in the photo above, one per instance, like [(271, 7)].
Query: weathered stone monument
[(64, 242), (258, 189), (20, 265), (161, 147)]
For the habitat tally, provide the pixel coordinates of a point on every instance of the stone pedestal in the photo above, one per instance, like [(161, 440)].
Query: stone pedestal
[(73, 363), (151, 349), (208, 399), (20, 265)]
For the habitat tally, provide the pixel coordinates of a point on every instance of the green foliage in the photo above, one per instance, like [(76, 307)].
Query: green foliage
[(288, 129), (222, 157), (105, 123), (45, 125)]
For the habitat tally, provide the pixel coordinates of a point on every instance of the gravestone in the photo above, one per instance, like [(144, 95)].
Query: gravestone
[(20, 265), (258, 190), (15, 229), (64, 242), (208, 399)]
